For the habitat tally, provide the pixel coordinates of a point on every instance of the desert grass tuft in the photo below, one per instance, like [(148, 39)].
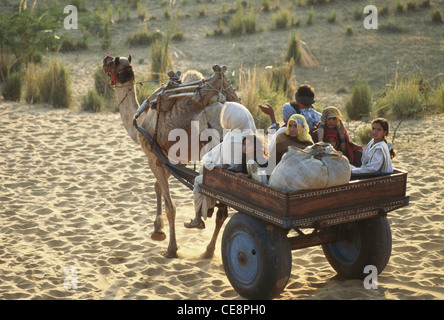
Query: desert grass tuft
[(12, 86), (364, 135), (293, 49), (54, 85), (435, 16), (412, 5), (281, 19), (144, 37), (310, 17), (332, 16), (102, 85), (360, 103), (161, 58), (407, 98), (242, 22), (32, 92), (92, 101), (272, 85), (437, 98)]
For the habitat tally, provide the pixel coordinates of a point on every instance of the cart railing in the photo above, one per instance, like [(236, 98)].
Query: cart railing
[(359, 199)]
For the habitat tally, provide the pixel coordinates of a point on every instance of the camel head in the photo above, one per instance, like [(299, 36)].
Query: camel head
[(118, 69)]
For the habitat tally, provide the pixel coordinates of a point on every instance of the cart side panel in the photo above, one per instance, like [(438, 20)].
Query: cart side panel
[(250, 191), (355, 193)]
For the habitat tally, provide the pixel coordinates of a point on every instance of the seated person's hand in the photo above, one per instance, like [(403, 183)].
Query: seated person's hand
[(267, 109)]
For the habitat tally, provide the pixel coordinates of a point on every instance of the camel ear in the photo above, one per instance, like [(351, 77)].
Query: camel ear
[(117, 61), (129, 58)]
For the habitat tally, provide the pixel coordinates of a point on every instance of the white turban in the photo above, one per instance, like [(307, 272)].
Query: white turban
[(238, 121), (287, 112)]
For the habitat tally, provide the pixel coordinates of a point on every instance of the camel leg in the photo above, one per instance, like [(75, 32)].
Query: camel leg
[(222, 214), (158, 234), (170, 209)]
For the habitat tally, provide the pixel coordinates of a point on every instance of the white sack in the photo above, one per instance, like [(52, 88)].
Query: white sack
[(315, 167)]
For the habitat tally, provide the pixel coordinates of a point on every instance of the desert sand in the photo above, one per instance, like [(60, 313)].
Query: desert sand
[(77, 200), (77, 194)]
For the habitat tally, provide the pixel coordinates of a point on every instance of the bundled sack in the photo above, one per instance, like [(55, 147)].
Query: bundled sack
[(317, 166)]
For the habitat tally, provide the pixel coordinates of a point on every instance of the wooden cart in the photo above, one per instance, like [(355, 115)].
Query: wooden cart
[(349, 221)]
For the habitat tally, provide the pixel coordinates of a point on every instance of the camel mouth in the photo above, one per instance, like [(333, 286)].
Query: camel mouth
[(107, 64), (112, 78)]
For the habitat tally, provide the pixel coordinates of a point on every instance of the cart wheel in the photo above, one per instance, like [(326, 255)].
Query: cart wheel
[(367, 242), (256, 257)]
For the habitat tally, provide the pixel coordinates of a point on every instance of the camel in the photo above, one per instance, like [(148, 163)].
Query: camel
[(169, 107)]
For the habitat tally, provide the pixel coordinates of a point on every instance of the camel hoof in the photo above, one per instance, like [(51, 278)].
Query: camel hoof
[(170, 255), (207, 254), (158, 236)]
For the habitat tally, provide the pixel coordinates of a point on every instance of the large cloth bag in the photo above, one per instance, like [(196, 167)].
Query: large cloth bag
[(315, 167)]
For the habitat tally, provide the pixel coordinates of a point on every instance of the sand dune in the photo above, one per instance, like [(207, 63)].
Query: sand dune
[(76, 194)]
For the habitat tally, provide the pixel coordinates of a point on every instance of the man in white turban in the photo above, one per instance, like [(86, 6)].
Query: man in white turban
[(238, 121)]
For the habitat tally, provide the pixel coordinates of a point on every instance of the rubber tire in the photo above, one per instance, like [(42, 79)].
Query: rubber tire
[(256, 256), (369, 243)]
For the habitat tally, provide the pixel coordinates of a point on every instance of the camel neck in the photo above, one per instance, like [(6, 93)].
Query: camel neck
[(128, 105), (126, 95)]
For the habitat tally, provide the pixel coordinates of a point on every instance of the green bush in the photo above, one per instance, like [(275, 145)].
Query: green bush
[(144, 37), (281, 19), (383, 11), (310, 16), (399, 7), (437, 98), (412, 5), (435, 16), (12, 87), (54, 85), (364, 135), (242, 22), (360, 103), (332, 16), (357, 14), (250, 23), (392, 26), (266, 5), (274, 86), (405, 100), (425, 3), (106, 39), (32, 94), (23, 35), (161, 59), (282, 79), (102, 85), (92, 101), (293, 49)]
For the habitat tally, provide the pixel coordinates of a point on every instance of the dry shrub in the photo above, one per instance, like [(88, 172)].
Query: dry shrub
[(360, 103), (274, 86), (12, 86)]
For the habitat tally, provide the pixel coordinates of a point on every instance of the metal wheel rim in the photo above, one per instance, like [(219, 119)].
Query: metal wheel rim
[(243, 257)]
